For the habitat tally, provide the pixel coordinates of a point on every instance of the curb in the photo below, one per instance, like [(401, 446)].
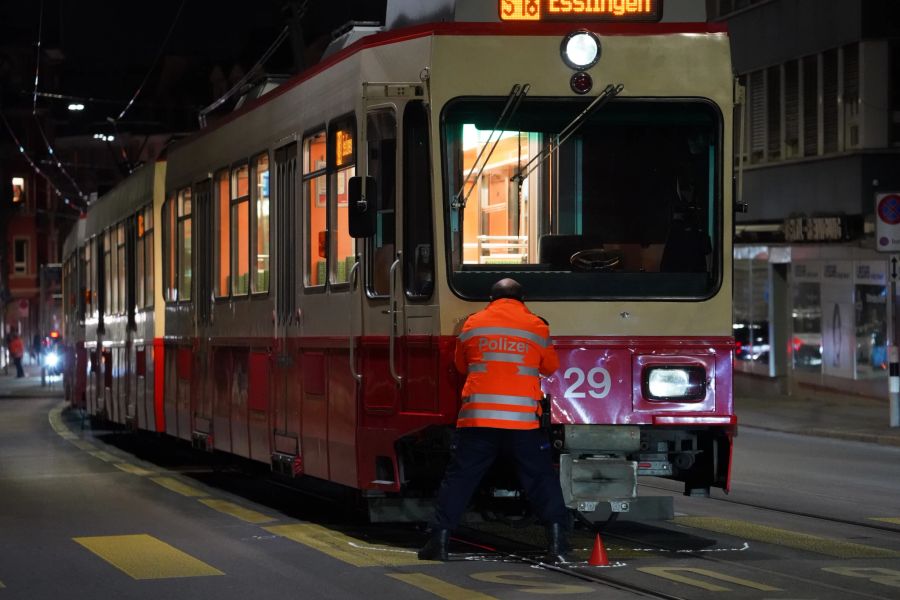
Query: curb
[(851, 436)]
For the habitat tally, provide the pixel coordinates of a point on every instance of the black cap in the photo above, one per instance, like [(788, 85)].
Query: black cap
[(507, 288)]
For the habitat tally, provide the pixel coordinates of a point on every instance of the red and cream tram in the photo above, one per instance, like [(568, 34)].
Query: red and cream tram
[(317, 251)]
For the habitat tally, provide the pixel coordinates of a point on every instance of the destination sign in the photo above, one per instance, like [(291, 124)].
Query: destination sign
[(580, 10)]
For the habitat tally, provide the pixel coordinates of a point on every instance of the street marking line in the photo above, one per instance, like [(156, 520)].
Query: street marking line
[(237, 511), (671, 573), (1, 585), (172, 484), (104, 456), (133, 469), (439, 588), (345, 548), (785, 537), (143, 556), (83, 445), (894, 520)]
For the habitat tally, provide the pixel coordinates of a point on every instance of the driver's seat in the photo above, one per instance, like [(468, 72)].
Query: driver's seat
[(557, 250)]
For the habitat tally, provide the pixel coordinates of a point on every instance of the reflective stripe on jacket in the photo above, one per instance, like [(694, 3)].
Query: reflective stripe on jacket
[(503, 350)]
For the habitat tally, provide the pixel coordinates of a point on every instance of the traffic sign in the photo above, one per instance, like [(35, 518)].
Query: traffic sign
[(887, 222)]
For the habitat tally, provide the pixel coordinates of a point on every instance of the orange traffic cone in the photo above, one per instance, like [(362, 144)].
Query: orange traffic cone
[(598, 554)]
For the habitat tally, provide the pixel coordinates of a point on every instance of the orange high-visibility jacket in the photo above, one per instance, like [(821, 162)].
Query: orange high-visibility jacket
[(16, 348), (503, 350)]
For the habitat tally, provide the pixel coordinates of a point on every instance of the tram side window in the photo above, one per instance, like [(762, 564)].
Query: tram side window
[(120, 268), (315, 191), (169, 272), (139, 280), (240, 227), (223, 235), (149, 258), (184, 244), (344, 152), (89, 290), (109, 284), (261, 215), (382, 141), (418, 232)]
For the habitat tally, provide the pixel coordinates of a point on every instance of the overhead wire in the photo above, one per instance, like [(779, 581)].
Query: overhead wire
[(40, 128)]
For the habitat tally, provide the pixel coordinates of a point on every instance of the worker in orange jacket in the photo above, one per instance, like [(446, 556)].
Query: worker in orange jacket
[(17, 352), (503, 350)]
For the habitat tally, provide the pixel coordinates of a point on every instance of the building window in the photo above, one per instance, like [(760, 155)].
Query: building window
[(20, 256), (830, 101), (315, 190), (810, 94), (791, 109), (773, 113), (851, 95), (894, 93), (261, 215), (240, 230), (18, 190), (223, 235), (757, 115)]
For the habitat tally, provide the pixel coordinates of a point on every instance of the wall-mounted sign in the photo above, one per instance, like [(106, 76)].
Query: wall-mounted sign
[(818, 229), (887, 222)]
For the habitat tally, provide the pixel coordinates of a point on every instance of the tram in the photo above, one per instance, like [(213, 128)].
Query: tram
[(287, 286)]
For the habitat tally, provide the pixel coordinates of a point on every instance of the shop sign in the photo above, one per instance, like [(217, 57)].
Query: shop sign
[(837, 271), (807, 271), (887, 222), (816, 229), (870, 272)]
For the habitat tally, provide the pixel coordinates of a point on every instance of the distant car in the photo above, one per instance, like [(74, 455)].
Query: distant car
[(751, 341)]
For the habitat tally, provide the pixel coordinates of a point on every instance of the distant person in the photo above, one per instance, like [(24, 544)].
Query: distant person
[(503, 350), (17, 352), (36, 348)]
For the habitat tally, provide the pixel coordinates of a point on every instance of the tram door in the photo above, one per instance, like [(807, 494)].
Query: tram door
[(397, 324)]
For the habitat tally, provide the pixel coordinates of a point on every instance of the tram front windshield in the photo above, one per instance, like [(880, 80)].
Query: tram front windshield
[(629, 206)]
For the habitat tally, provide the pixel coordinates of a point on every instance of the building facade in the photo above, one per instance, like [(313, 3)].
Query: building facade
[(819, 145)]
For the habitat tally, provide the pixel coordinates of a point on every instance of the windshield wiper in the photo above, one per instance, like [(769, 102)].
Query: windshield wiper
[(516, 94), (610, 92)]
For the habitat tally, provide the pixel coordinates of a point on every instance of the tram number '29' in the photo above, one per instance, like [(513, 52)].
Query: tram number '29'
[(598, 380)]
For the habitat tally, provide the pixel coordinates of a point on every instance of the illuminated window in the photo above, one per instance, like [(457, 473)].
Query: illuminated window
[(109, 288), (223, 237), (18, 190), (261, 214), (169, 249), (149, 259), (341, 245), (315, 190), (20, 259), (143, 280), (184, 244), (240, 227)]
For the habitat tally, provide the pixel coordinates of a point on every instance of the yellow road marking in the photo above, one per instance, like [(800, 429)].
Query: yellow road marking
[(133, 469), (894, 520), (83, 445), (145, 557), (439, 588), (345, 548), (176, 486), (104, 455), (784, 537), (671, 573), (1, 585), (237, 511)]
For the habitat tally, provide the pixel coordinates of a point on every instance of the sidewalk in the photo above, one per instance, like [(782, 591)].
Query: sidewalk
[(845, 417), (30, 385)]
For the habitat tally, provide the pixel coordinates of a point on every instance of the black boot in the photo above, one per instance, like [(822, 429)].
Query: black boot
[(557, 543), (436, 547)]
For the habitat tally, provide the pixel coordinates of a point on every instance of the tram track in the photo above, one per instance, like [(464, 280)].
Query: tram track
[(795, 513)]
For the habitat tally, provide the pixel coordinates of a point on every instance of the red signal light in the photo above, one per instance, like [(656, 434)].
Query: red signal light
[(54, 334), (581, 83)]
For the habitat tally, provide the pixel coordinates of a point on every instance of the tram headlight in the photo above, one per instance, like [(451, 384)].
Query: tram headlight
[(679, 383), (52, 360), (580, 50)]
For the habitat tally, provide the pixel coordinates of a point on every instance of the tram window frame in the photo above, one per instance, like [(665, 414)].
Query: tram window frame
[(170, 294), (81, 284), (255, 184), (418, 215), (222, 219), (472, 281), (109, 305), (149, 257), (184, 255), (140, 280), (377, 269), (339, 175), (237, 200), (121, 269), (312, 179), (89, 291)]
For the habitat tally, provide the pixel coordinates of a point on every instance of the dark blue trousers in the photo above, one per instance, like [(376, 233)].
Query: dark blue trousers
[(474, 450)]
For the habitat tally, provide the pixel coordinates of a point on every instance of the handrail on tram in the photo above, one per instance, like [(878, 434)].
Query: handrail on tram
[(354, 279), (392, 311)]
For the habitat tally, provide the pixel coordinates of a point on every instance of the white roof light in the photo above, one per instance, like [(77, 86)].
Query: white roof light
[(580, 50)]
